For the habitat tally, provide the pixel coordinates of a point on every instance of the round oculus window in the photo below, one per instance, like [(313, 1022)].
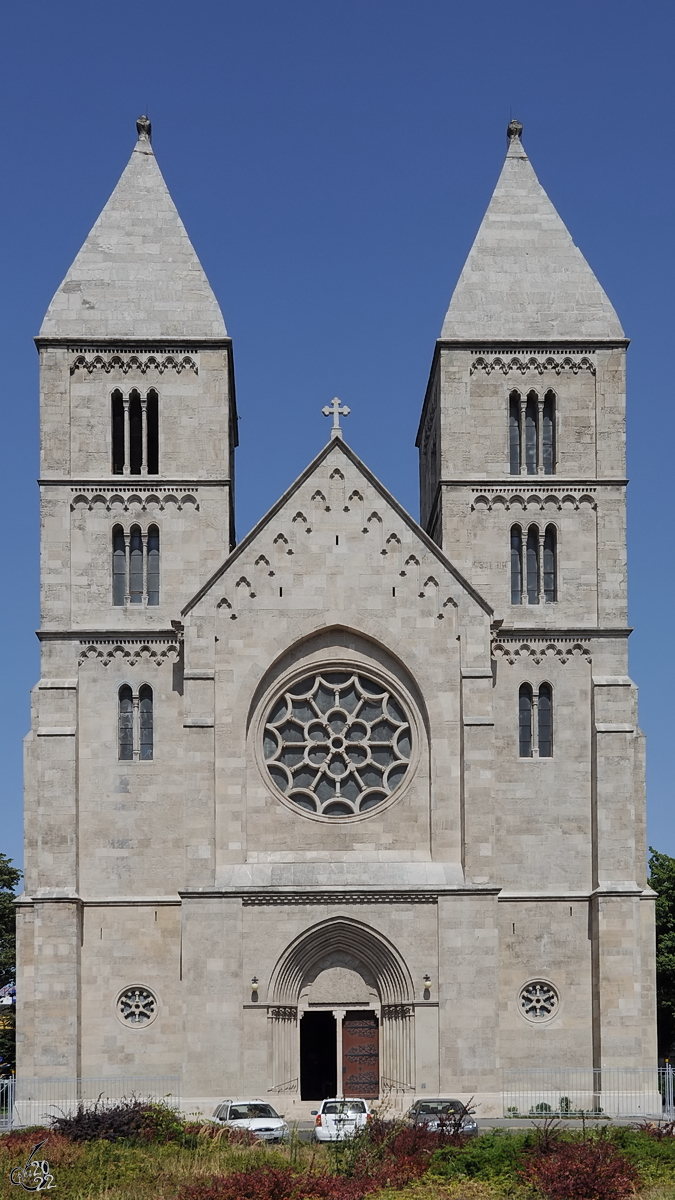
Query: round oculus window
[(539, 1001), (337, 743)]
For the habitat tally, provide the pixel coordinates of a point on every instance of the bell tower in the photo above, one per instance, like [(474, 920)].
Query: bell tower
[(138, 417), (522, 477), (138, 430)]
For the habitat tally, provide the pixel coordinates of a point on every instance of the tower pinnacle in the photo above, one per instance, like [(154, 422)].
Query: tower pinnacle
[(144, 128), (514, 129)]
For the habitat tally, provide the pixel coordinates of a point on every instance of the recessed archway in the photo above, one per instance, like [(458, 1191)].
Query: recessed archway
[(345, 954)]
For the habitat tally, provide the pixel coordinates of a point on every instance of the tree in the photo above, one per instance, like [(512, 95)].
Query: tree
[(662, 879), (9, 877)]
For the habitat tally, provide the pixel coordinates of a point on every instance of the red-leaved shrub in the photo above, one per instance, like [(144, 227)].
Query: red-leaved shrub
[(583, 1170), (275, 1183), (283, 1183)]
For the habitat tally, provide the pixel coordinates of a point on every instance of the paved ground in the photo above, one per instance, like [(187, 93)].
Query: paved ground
[(306, 1128)]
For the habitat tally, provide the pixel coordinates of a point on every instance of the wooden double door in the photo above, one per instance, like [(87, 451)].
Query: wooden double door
[(361, 1055), (339, 1054)]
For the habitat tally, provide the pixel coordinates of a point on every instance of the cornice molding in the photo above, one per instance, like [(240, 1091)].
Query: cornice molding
[(527, 361), (124, 362)]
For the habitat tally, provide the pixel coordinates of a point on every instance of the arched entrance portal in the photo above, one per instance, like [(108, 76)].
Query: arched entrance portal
[(341, 1014)]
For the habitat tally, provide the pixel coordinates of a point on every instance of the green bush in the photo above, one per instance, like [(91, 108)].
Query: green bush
[(490, 1156)]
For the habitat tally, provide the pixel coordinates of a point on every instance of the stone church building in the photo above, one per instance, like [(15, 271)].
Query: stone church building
[(354, 806)]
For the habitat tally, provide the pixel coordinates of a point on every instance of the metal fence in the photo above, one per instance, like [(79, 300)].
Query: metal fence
[(588, 1092), (33, 1101)]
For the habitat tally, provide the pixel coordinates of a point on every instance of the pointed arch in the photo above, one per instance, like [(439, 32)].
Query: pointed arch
[(344, 935)]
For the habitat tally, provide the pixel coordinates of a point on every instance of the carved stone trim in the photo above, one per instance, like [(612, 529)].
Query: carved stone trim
[(396, 1012), (533, 497), (284, 1012), (134, 362), (157, 650), (536, 648), (124, 498), (258, 899), (538, 362)]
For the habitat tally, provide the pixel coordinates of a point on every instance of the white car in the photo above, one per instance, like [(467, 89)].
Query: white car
[(256, 1116), (339, 1119)]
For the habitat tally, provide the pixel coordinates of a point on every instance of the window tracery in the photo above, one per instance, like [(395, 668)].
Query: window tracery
[(337, 743), (539, 1001), (137, 1006)]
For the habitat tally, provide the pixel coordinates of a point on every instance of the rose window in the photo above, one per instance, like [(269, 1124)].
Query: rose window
[(538, 1001), (337, 743), (136, 1006)]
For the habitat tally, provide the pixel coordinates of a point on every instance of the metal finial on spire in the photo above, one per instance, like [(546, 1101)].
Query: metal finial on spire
[(335, 410), (144, 128), (513, 129)]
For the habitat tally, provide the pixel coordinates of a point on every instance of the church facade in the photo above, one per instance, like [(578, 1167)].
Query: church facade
[(356, 806)]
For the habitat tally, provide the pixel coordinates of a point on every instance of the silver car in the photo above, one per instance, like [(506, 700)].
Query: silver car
[(255, 1116), (450, 1115)]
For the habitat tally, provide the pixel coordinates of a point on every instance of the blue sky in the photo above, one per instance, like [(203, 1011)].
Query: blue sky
[(332, 161)]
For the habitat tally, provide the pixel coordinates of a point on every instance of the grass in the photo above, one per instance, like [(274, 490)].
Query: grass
[(123, 1170)]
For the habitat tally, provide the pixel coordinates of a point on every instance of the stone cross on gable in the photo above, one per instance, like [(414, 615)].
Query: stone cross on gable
[(336, 410)]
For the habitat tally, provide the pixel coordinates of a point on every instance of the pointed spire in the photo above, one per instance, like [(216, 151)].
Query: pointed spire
[(137, 274), (524, 277)]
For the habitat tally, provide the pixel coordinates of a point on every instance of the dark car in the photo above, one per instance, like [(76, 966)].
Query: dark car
[(439, 1113)]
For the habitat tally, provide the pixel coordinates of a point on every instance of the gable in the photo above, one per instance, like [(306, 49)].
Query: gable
[(337, 528)]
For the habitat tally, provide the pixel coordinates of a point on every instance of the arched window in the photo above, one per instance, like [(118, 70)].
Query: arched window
[(152, 418), (153, 565), (550, 585), (117, 412), (525, 705), (514, 433), (119, 573), (135, 433), (146, 721), (531, 433), (532, 565), (126, 723), (516, 564), (135, 568), (545, 721), (548, 433), (136, 565)]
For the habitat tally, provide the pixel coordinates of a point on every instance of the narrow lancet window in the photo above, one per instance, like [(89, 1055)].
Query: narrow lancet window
[(153, 565), (136, 565), (525, 721), (545, 721), (126, 723), (548, 434), (152, 419), (532, 567), (550, 585), (145, 721), (516, 564), (117, 412), (514, 433), (135, 433), (119, 580), (531, 415)]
